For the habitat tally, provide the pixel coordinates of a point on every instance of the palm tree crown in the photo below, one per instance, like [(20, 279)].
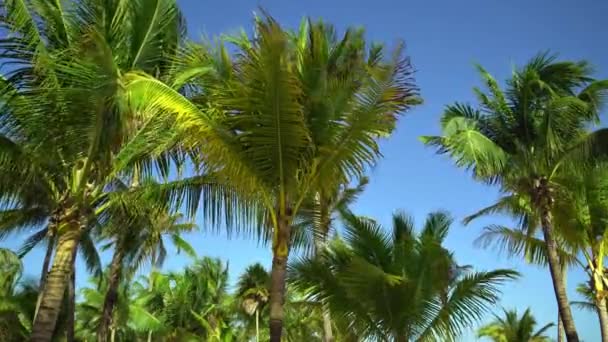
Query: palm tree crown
[(405, 285), (513, 328)]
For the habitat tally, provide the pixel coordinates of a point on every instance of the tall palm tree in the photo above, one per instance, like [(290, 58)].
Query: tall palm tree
[(404, 286), (67, 131), (252, 291), (247, 117), (141, 241), (513, 328), (521, 139), (579, 212)]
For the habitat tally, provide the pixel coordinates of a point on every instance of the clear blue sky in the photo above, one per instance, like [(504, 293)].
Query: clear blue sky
[(444, 39)]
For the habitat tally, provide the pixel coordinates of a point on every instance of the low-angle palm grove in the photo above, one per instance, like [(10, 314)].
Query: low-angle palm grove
[(120, 135)]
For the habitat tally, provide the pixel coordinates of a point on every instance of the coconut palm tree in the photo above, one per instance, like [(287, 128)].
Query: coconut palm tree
[(193, 303), (579, 212), (131, 318), (247, 116), (404, 286), (67, 131), (521, 139), (142, 241), (512, 328), (252, 292)]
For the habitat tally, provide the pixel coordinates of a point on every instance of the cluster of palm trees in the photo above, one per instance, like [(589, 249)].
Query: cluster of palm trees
[(116, 130), (531, 140)]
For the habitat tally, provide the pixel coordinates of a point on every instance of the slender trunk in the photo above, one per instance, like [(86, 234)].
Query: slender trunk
[(45, 267), (112, 334), (71, 302), (278, 275), (320, 238), (561, 333), (149, 336), (597, 281), (56, 283), (257, 325), (111, 296), (603, 317), (556, 275)]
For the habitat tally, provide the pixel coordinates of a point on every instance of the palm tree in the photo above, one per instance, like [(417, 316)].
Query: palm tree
[(142, 241), (521, 139), (403, 286), (67, 131), (317, 219), (247, 117), (18, 299), (579, 213), (131, 319), (15, 323), (513, 328), (193, 303), (252, 292)]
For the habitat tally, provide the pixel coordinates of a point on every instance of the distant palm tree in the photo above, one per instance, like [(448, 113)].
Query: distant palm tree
[(404, 286), (512, 328), (522, 139), (194, 304), (253, 291), (131, 320), (138, 236)]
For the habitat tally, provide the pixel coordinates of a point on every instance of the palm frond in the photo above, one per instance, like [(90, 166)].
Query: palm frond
[(516, 242), (467, 303)]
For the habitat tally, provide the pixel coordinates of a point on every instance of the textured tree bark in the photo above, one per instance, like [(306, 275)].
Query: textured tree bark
[(561, 333), (45, 267), (556, 276), (56, 283), (71, 302), (111, 296), (278, 276), (603, 317)]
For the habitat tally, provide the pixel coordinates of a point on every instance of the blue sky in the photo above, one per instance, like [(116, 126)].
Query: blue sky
[(444, 39)]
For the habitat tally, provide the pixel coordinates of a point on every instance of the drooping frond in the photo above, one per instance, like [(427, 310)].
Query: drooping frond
[(466, 304), (515, 242)]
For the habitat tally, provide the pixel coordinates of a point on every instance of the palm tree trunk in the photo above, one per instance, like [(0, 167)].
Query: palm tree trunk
[(111, 295), (603, 317), (320, 238), (561, 333), (597, 282), (257, 325), (71, 302), (278, 276), (557, 277), (56, 283), (45, 267)]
